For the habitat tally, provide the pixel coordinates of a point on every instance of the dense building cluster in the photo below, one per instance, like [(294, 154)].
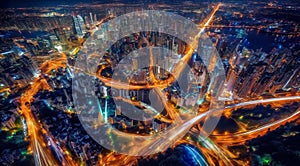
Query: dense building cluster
[(257, 41)]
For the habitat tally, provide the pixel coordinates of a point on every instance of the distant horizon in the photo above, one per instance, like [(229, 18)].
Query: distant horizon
[(54, 3)]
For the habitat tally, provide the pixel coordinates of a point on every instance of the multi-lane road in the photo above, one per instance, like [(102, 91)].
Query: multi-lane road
[(44, 156)]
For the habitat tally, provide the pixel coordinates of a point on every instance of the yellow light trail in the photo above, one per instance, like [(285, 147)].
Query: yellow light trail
[(42, 155)]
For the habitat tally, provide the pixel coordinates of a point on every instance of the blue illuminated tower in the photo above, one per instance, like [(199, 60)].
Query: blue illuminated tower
[(79, 25)]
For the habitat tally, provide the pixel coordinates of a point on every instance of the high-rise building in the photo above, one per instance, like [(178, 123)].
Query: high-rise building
[(91, 17), (95, 19), (79, 25), (15, 70)]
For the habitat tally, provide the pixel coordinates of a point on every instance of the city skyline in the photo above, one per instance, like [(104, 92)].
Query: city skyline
[(150, 83)]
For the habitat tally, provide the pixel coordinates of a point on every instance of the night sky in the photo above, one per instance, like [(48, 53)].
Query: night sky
[(53, 3), (38, 3)]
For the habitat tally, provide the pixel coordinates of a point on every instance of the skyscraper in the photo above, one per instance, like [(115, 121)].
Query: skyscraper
[(79, 25), (91, 17)]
